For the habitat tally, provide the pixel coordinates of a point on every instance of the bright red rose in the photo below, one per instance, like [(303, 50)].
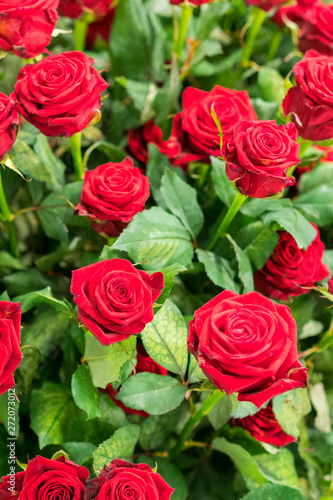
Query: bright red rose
[(259, 155), (330, 285), (127, 480), (10, 339), (115, 300), (317, 30), (60, 478), (266, 4), (264, 427), (247, 344), (11, 486), (294, 12), (61, 94), (75, 8), (291, 271), (26, 26), (101, 28), (9, 124), (113, 193), (310, 103), (195, 127)]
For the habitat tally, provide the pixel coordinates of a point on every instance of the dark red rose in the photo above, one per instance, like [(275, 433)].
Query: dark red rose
[(195, 127), (317, 30), (330, 285), (11, 485), (266, 4), (144, 364), (75, 8), (47, 479), (247, 344), (125, 480), (115, 300), (264, 427), (192, 2), (113, 193), (101, 28), (259, 155), (294, 12), (26, 26), (291, 271), (61, 94), (10, 339), (310, 103), (9, 124)]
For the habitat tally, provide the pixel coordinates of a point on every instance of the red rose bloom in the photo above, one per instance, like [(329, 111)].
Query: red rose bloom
[(11, 486), (75, 8), (330, 285), (127, 480), (113, 193), (247, 344), (292, 271), (259, 155), (294, 12), (266, 4), (193, 2), (26, 26), (195, 127), (115, 300), (10, 339), (61, 94), (9, 124), (264, 427), (317, 30), (310, 103)]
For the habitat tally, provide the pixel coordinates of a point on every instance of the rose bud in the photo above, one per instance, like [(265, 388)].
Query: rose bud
[(247, 344), (10, 339), (292, 271), (115, 300), (5, 492), (75, 8), (113, 193), (195, 127), (264, 427), (61, 94), (127, 480), (26, 26), (259, 155), (310, 103), (9, 124), (266, 4), (317, 30)]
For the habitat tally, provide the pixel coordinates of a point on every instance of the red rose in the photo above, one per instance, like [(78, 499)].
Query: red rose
[(264, 427), (45, 479), (113, 193), (61, 94), (291, 271), (195, 127), (193, 2), (10, 339), (247, 344), (115, 300), (127, 480), (266, 4), (294, 12), (101, 28), (11, 485), (144, 364), (317, 30), (74, 8), (259, 155), (9, 124), (26, 26), (310, 103), (330, 285)]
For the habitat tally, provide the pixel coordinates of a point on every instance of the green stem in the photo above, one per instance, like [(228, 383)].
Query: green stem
[(8, 217), (80, 34), (183, 25), (193, 420), (75, 142), (228, 218), (274, 45), (258, 19)]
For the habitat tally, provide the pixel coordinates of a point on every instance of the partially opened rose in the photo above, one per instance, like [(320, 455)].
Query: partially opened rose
[(259, 155), (75, 8), (9, 124), (266, 4), (115, 300), (10, 339), (247, 344), (317, 30), (330, 285), (294, 11), (191, 2), (125, 480), (61, 94), (26, 26)]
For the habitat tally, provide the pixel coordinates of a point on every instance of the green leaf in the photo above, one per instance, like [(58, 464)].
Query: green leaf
[(181, 199), (280, 467), (322, 175), (210, 18), (289, 408), (245, 272), (274, 492), (155, 394), (294, 223), (120, 445), (242, 409), (244, 462), (28, 368), (84, 393), (52, 408), (265, 110), (165, 339), (220, 414), (54, 227), (111, 413), (256, 206), (218, 270), (156, 429), (53, 164), (32, 299), (195, 374), (317, 205), (61, 203), (112, 152), (80, 453), (260, 242), (105, 362), (142, 95), (8, 263), (271, 84), (222, 186), (156, 239), (169, 274)]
